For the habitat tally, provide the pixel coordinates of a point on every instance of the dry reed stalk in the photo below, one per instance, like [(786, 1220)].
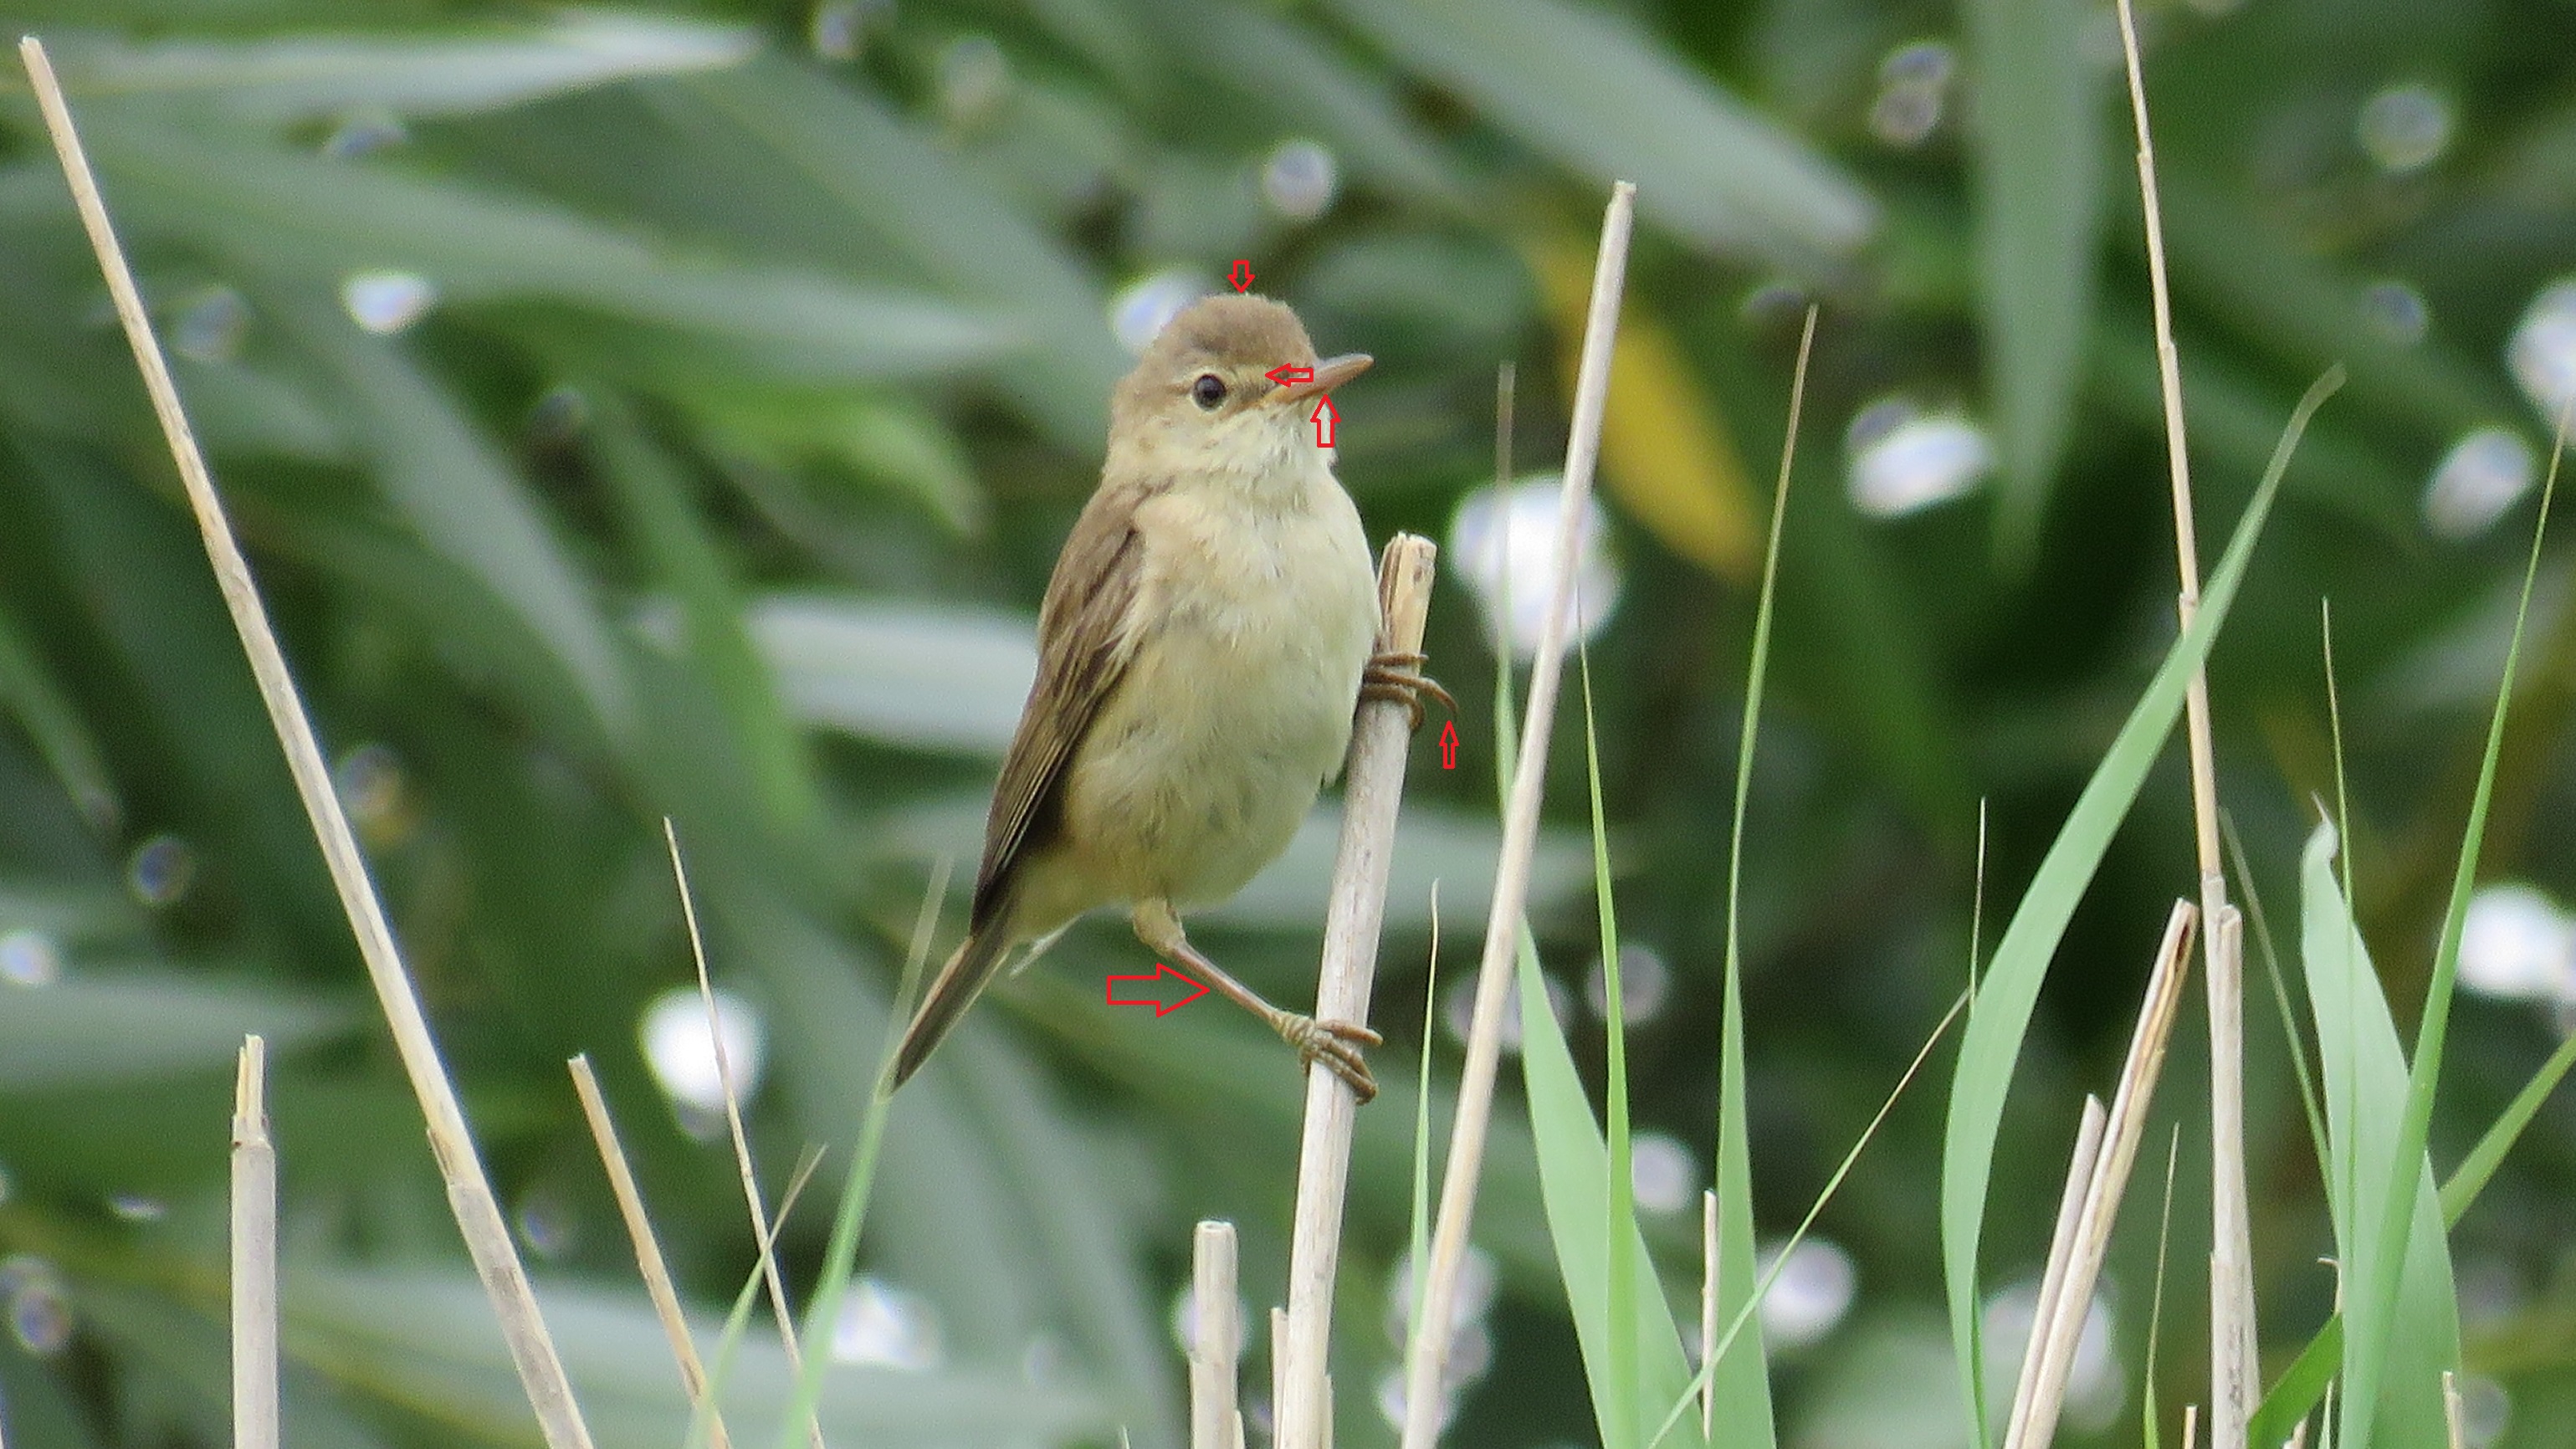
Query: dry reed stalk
[(648, 1251), (255, 1414), (2061, 1246), (1278, 1366), (2453, 1419), (1216, 1339), (1707, 1311), (2231, 1273), (1430, 1346), (469, 1191), (2121, 1133), (1374, 791), (2190, 1425), (760, 1225)]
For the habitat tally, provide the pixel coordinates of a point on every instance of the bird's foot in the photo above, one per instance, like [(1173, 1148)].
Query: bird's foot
[(1396, 675), (1335, 1044)]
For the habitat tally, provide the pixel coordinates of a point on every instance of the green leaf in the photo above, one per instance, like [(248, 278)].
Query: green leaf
[(684, 559), (2010, 988), (481, 636), (1615, 1375), (2035, 125), (1603, 97), (2231, 264), (2381, 1334), (2364, 1071), (105, 1024), (2303, 1384), (2475, 1170), (291, 77), (467, 503), (869, 181), (30, 694), (291, 213), (1264, 53), (183, 1389), (887, 441), (919, 675), (160, 630), (423, 1340), (2300, 1388), (1573, 1163)]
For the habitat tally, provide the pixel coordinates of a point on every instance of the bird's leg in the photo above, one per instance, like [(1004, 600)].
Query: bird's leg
[(1336, 1044), (1395, 674)]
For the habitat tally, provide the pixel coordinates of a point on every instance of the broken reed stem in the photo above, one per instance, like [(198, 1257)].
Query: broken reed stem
[(2052, 1282), (1375, 789), (1430, 1338), (2126, 1127), (2454, 1421), (648, 1251), (1216, 1339), (2231, 1275), (733, 1122), (469, 1191), (255, 1415)]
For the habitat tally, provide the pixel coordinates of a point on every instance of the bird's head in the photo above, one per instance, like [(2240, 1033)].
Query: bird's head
[(1208, 397)]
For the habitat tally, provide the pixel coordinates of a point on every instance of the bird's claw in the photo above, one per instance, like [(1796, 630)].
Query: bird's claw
[(1337, 1045), (1396, 676)]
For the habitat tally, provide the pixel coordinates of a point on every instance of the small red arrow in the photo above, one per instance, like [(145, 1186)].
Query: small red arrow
[(1240, 275), (1290, 372), (1160, 1009), (1324, 419), (1449, 745)]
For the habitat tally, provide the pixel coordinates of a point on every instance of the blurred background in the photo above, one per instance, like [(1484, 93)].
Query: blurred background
[(676, 411)]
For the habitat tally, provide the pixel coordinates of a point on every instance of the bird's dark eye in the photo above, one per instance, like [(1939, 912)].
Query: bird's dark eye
[(1209, 390)]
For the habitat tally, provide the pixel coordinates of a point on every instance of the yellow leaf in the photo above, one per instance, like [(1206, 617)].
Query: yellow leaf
[(1666, 455)]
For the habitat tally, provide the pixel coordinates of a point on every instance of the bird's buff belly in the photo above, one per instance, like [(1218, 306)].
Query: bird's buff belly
[(1188, 802)]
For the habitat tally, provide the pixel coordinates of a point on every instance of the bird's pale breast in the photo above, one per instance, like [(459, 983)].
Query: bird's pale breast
[(1264, 619)]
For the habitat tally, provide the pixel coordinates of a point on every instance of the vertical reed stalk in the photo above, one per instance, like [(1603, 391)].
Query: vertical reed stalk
[(255, 1410), (1430, 1347), (1369, 802), (2231, 1271), (1216, 1339)]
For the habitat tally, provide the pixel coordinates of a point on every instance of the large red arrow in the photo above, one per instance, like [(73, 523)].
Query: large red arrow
[(1160, 1008), (1325, 417)]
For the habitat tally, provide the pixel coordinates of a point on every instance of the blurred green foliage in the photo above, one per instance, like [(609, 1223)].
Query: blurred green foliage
[(636, 414)]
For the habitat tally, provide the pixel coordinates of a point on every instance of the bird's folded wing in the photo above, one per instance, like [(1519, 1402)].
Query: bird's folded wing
[(1085, 638)]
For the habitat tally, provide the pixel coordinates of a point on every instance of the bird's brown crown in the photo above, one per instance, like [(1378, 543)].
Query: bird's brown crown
[(1231, 335), (1231, 329)]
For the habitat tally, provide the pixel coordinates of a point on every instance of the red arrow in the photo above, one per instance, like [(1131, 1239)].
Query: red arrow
[(1290, 372), (1449, 745), (1160, 1009), (1240, 274), (1324, 419)]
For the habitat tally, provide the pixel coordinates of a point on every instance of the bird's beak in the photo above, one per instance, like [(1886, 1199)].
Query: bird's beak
[(1330, 373)]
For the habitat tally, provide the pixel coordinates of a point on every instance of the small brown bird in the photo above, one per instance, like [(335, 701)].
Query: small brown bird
[(1203, 644)]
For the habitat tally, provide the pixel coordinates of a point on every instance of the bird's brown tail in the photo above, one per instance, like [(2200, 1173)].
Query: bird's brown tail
[(959, 982)]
